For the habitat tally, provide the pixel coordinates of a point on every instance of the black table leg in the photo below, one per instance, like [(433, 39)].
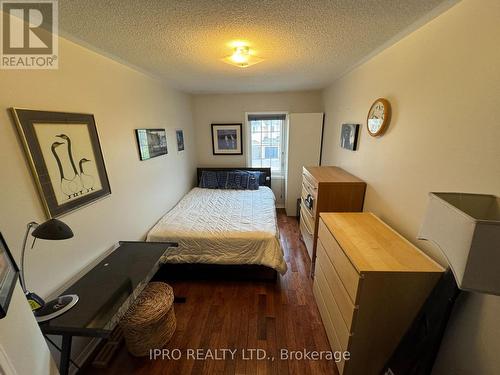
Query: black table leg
[(65, 354)]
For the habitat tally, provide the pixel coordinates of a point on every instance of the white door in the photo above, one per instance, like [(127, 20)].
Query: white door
[(304, 148)]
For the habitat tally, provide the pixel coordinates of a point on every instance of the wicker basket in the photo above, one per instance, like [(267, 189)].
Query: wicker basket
[(150, 322)]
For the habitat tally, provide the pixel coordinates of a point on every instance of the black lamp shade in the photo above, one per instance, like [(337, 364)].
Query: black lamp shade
[(53, 229)]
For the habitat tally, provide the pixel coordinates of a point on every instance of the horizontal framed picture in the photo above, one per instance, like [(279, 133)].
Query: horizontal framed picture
[(227, 139), (65, 156), (151, 142), (179, 135), (349, 136), (8, 276)]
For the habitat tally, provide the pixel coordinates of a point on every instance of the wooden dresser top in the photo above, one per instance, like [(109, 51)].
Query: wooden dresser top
[(371, 245), (332, 174)]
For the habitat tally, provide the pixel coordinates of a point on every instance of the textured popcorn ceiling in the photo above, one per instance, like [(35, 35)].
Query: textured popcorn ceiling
[(305, 44)]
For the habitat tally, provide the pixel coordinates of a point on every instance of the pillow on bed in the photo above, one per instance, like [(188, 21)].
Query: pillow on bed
[(208, 180), (240, 180), (237, 180), (222, 179), (233, 180), (260, 176), (253, 181)]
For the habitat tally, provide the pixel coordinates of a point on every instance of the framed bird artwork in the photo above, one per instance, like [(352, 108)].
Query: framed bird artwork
[(65, 156)]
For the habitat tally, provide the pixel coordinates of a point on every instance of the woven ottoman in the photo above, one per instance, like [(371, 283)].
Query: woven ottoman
[(150, 322)]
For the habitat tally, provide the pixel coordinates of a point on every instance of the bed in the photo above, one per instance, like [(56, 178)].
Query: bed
[(224, 228)]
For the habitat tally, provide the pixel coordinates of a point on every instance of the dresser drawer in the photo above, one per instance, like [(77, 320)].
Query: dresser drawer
[(309, 180), (310, 189), (346, 271), (327, 323), (332, 307), (308, 218), (307, 236), (344, 302)]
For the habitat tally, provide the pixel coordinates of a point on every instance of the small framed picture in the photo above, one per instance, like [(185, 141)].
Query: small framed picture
[(226, 139), (151, 142), (349, 136), (8, 276), (179, 134)]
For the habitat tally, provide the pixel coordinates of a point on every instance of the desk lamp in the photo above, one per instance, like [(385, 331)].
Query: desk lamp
[(55, 230)]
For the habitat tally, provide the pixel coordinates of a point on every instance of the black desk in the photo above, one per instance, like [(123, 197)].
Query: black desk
[(105, 293)]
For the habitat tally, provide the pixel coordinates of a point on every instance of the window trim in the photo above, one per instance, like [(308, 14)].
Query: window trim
[(284, 139)]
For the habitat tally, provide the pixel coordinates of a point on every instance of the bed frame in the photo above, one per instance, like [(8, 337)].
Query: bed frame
[(204, 271), (266, 171)]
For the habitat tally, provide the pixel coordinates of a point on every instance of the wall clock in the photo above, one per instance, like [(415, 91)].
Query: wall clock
[(379, 117)]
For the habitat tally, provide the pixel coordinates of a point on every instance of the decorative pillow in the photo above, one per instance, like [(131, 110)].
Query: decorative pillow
[(253, 181), (233, 180), (244, 180), (261, 177), (208, 180), (237, 180), (222, 177)]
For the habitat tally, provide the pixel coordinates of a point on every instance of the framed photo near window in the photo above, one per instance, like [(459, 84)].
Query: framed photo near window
[(227, 139), (8, 276), (349, 136), (151, 142), (65, 156)]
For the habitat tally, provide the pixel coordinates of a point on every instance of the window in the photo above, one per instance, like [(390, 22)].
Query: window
[(266, 136)]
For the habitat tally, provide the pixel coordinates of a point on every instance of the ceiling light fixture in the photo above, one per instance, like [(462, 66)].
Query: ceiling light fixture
[(242, 57)]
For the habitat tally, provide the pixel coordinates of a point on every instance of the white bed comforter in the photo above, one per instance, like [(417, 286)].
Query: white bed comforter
[(223, 227)]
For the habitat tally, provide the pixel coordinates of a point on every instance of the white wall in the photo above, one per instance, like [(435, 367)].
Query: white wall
[(444, 85), (227, 108), (121, 100), (231, 108), (23, 346)]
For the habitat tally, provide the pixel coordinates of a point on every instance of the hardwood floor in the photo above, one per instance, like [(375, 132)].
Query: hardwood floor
[(243, 315)]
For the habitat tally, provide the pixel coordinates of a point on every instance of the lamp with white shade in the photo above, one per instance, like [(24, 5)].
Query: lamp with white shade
[(466, 228)]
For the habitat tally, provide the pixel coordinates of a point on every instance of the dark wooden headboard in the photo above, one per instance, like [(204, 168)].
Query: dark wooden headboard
[(266, 171)]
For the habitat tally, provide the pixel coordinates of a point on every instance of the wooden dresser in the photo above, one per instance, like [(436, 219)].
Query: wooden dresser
[(326, 189), (370, 284)]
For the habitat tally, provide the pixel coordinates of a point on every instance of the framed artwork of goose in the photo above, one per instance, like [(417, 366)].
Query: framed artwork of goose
[(65, 156)]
